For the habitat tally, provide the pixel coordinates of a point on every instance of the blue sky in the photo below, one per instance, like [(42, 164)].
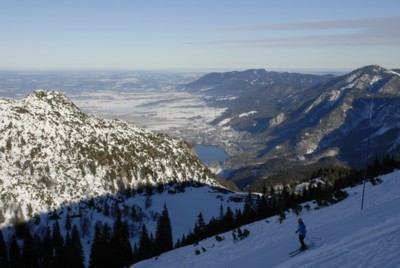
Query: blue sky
[(199, 35)]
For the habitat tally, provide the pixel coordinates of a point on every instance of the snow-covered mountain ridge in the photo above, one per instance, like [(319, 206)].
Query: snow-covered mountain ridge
[(51, 154), (335, 118), (352, 109), (344, 236)]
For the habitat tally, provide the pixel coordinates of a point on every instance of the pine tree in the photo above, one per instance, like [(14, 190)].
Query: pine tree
[(57, 237), (20, 224), (106, 240), (248, 209), (199, 228), (74, 250), (239, 220), (58, 242), (160, 188), (137, 214), (126, 247), (152, 245), (28, 255), (106, 209), (262, 208), (284, 200), (163, 238), (37, 219), (14, 256), (97, 248), (68, 222), (101, 255), (145, 246), (3, 252), (149, 188), (135, 253), (48, 249), (38, 250), (120, 245), (228, 221), (116, 211), (148, 202), (61, 257), (85, 223), (212, 227), (221, 212)]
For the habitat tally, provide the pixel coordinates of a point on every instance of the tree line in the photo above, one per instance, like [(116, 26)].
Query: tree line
[(51, 250), (276, 202)]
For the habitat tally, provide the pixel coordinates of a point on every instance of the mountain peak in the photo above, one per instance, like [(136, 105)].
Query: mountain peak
[(50, 101), (52, 153), (372, 78), (47, 95), (256, 72), (372, 69)]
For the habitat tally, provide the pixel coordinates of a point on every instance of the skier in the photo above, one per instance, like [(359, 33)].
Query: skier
[(301, 229)]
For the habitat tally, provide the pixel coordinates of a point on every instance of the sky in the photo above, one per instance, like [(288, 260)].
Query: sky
[(199, 35)]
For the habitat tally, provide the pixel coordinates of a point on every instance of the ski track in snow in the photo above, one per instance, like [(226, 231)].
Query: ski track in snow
[(344, 236)]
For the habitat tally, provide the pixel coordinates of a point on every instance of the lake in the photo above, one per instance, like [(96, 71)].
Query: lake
[(208, 153)]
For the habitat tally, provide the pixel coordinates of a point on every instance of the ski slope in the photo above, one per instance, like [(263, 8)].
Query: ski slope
[(344, 236)]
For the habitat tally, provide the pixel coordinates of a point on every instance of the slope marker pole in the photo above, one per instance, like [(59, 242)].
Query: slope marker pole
[(367, 149)]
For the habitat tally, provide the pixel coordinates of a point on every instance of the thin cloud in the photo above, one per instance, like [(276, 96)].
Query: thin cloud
[(319, 25), (363, 39), (360, 32)]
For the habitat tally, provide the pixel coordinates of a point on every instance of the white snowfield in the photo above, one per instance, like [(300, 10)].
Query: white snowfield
[(344, 236)]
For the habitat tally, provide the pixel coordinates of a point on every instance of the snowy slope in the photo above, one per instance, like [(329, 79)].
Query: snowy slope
[(344, 235), (183, 208), (51, 154)]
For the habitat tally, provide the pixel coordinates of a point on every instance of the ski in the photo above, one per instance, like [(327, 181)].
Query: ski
[(300, 250)]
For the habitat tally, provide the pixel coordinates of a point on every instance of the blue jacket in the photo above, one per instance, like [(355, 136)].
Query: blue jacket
[(302, 229)]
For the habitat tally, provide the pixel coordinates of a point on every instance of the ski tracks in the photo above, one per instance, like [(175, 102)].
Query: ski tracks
[(375, 245)]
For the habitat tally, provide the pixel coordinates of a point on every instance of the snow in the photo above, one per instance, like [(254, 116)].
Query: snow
[(313, 183), (183, 208), (334, 95), (247, 114), (393, 72), (277, 120), (224, 122), (153, 110), (344, 236), (40, 165), (226, 98), (316, 102)]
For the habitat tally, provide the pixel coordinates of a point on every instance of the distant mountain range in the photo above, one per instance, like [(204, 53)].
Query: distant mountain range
[(297, 120), (266, 92)]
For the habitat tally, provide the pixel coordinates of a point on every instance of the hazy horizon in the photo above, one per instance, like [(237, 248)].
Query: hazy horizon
[(192, 35), (186, 70)]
